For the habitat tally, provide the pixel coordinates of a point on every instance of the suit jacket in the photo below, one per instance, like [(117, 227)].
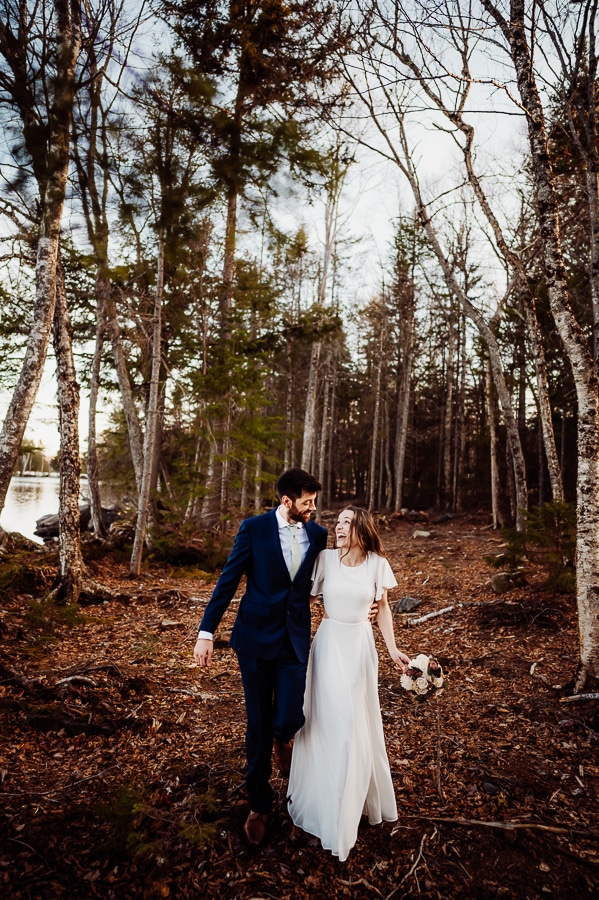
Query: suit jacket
[(272, 605)]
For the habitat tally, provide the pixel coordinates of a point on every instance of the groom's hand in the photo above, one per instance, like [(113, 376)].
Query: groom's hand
[(202, 652), (373, 612)]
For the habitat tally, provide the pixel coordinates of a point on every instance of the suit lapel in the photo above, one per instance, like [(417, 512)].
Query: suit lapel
[(275, 541)]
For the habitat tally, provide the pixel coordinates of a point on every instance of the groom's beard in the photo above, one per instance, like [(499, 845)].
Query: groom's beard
[(296, 516)]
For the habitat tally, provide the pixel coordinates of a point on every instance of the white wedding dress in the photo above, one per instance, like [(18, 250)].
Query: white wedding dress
[(339, 768)]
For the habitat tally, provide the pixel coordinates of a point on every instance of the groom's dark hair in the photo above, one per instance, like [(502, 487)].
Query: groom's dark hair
[(295, 482)]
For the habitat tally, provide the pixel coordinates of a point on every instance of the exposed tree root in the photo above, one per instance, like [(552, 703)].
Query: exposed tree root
[(80, 590)]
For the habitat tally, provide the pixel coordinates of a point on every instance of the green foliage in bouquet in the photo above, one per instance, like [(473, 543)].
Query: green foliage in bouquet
[(548, 541)]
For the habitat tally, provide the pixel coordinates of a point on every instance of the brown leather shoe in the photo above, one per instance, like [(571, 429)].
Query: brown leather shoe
[(255, 828), (283, 751)]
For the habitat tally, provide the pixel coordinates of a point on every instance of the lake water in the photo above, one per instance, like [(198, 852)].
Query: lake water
[(27, 500)]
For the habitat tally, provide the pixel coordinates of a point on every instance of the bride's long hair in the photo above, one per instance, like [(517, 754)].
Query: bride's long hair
[(363, 532)]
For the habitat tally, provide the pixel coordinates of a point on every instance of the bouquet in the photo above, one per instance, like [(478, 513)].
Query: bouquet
[(424, 676)]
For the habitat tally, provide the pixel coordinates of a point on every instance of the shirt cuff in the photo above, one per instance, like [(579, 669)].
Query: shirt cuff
[(206, 635)]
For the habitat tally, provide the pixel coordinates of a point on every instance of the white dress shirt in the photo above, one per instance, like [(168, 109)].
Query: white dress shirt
[(285, 539)]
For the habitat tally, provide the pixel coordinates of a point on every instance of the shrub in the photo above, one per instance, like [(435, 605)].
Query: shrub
[(548, 541)]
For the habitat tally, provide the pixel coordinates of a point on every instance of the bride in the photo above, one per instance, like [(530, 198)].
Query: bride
[(339, 768)]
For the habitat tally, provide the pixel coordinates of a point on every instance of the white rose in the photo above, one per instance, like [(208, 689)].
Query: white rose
[(420, 662), (421, 685)]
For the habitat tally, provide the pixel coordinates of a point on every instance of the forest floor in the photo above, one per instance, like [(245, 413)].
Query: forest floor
[(122, 765)]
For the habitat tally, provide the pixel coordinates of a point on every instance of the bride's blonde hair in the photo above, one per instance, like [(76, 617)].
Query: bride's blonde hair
[(363, 531)]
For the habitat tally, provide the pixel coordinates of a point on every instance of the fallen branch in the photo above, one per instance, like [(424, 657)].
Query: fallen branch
[(463, 604), (412, 869), (593, 696), (510, 826), (87, 667), (432, 615), (59, 790), (81, 679), (355, 881)]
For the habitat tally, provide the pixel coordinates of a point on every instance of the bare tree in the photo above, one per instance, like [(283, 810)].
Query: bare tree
[(93, 158), (376, 92)]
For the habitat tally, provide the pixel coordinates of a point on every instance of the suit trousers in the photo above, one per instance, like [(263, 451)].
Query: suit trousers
[(274, 701)]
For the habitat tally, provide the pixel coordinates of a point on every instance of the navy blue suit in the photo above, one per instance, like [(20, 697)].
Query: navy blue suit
[(271, 637)]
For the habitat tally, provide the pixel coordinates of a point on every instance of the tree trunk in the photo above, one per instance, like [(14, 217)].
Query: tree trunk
[(134, 429), (258, 483), (387, 456), (208, 499), (52, 190), (71, 566), (143, 504), (544, 402), (243, 500), (310, 414), (289, 455), (403, 408), (324, 428), (492, 416), (93, 474), (460, 431), (375, 427), (328, 487), (575, 344), (449, 404)]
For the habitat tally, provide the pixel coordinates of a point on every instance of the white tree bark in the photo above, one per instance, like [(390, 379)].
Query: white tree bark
[(93, 472), (52, 183), (71, 565), (152, 420), (310, 414), (575, 344)]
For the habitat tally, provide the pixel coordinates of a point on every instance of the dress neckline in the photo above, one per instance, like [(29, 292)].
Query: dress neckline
[(345, 566)]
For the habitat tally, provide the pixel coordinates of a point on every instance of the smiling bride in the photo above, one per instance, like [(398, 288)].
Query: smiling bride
[(339, 769)]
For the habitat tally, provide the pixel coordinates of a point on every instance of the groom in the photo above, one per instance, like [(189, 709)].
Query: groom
[(271, 636)]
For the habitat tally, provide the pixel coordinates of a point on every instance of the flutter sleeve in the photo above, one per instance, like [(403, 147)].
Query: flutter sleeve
[(318, 573), (384, 577)]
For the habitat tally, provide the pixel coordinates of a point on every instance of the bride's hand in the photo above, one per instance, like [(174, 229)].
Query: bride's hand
[(400, 659)]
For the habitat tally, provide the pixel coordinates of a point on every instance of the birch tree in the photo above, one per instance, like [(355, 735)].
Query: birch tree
[(72, 579), (49, 159), (516, 31)]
